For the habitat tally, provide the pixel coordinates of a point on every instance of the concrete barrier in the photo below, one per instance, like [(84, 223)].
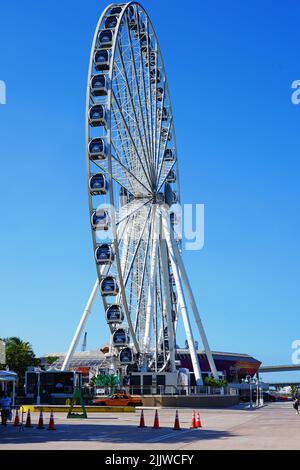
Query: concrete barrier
[(89, 409), (192, 401)]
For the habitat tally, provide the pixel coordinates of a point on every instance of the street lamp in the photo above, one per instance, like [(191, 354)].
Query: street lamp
[(249, 380), (259, 391), (261, 396), (255, 381)]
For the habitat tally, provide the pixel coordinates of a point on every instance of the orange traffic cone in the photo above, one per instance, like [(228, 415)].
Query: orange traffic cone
[(142, 420), (198, 421), (176, 424), (41, 421), (193, 423), (17, 419), (156, 422), (51, 426), (28, 420)]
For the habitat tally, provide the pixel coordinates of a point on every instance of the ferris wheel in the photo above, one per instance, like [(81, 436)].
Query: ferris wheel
[(133, 183)]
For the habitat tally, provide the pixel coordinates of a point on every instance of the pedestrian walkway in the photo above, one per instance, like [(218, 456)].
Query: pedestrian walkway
[(274, 426)]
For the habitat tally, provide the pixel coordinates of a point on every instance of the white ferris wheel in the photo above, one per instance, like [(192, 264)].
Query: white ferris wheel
[(133, 182)]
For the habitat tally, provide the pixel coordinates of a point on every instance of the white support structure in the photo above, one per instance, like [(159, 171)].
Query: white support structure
[(182, 304), (167, 304), (136, 153), (80, 327), (151, 288), (195, 311)]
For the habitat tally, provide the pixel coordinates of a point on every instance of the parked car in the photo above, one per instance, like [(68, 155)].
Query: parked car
[(118, 399), (282, 398)]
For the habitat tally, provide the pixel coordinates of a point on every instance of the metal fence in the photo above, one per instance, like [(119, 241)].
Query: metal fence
[(179, 390)]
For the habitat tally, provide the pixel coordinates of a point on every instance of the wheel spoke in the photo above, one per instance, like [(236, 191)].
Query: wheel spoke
[(131, 100), (138, 88), (123, 118), (131, 157)]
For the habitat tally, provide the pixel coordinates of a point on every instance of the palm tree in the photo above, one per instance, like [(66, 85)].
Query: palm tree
[(19, 356)]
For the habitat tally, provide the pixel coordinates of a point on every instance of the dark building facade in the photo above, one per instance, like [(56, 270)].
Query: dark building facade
[(233, 366)]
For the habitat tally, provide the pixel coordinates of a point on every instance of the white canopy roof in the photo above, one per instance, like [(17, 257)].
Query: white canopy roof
[(8, 376)]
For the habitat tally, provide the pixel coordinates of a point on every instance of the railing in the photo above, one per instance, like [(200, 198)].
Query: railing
[(179, 390)]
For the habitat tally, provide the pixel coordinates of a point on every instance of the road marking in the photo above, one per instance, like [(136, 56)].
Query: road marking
[(165, 436)]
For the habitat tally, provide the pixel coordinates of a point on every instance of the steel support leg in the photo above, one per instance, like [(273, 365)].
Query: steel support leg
[(151, 289), (167, 304), (182, 305), (195, 310), (80, 327)]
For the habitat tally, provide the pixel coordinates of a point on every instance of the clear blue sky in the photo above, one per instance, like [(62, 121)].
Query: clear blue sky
[(230, 66)]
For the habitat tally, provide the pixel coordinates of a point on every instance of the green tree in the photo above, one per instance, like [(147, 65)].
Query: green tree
[(19, 356), (294, 391), (51, 359), (211, 382), (111, 381), (93, 381)]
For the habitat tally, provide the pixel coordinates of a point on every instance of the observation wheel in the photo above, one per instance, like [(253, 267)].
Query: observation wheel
[(132, 170), (133, 185)]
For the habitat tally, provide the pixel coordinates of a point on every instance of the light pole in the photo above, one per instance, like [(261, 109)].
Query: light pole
[(249, 380), (257, 392), (260, 395)]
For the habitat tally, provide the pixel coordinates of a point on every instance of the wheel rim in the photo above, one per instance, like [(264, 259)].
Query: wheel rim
[(140, 153)]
